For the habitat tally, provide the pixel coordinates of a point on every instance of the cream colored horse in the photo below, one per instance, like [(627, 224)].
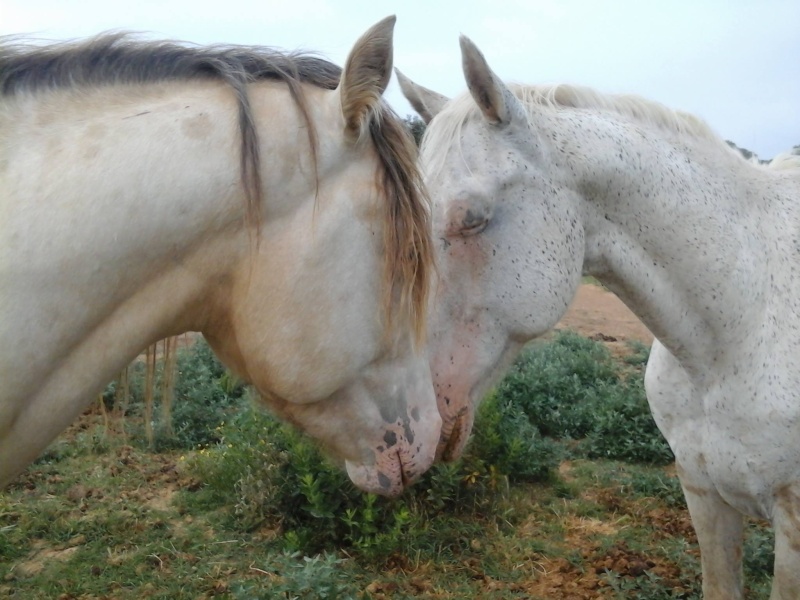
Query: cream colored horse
[(533, 185), (148, 189)]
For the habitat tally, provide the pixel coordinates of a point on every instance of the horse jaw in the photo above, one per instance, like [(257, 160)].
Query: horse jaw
[(384, 426)]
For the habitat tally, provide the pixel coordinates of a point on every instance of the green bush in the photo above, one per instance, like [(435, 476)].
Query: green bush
[(263, 471), (559, 384), (758, 554), (204, 395), (568, 395), (624, 428), (653, 484), (649, 586), (505, 440), (572, 389), (639, 355), (300, 577)]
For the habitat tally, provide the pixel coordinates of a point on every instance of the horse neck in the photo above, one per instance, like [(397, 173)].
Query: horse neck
[(138, 208), (674, 227)]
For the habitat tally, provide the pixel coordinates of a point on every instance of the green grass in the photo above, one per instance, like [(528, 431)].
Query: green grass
[(551, 500)]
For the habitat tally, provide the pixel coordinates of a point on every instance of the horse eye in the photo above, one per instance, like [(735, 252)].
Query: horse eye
[(474, 228)]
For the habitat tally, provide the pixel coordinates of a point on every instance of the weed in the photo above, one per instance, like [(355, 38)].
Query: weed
[(654, 484), (648, 586), (759, 554), (298, 577)]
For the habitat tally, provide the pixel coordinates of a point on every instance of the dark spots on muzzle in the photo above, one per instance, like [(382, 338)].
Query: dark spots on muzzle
[(390, 437), (390, 412), (384, 481), (408, 431)]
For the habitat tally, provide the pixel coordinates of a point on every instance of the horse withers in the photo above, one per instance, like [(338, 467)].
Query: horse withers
[(533, 186), (268, 200)]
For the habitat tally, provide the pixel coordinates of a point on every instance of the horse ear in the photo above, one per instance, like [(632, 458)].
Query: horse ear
[(366, 75), (497, 103), (426, 102)]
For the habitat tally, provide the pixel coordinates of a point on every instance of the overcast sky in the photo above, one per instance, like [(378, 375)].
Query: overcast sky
[(735, 63)]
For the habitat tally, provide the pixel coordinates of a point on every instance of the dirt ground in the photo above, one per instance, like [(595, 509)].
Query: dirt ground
[(599, 314)]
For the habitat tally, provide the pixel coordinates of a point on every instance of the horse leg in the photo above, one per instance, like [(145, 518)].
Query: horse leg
[(678, 412), (786, 520), (720, 534)]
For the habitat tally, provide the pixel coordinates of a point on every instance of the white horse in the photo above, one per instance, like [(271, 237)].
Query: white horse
[(533, 185), (148, 189)]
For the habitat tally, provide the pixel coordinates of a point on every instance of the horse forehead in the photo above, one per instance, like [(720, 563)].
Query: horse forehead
[(476, 173)]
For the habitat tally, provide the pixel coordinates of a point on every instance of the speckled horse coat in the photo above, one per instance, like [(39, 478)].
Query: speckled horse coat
[(534, 185)]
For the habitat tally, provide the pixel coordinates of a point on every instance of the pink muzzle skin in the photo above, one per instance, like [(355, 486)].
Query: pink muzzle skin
[(401, 458)]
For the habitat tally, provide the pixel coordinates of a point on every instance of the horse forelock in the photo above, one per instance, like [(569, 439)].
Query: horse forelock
[(409, 262), (446, 133)]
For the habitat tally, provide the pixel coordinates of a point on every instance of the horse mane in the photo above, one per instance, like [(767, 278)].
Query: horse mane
[(533, 97), (122, 58), (785, 161), (408, 237)]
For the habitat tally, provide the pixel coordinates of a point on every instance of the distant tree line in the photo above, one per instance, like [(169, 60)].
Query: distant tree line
[(752, 156), (416, 126)]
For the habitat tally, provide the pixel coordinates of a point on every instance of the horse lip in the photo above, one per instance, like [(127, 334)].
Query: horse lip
[(405, 480), (368, 479), (396, 486), (448, 450)]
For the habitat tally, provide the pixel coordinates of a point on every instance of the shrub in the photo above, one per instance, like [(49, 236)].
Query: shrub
[(204, 395), (640, 353), (270, 473), (505, 440), (654, 484), (572, 389), (759, 553), (264, 472), (648, 586), (557, 384), (624, 428), (301, 578)]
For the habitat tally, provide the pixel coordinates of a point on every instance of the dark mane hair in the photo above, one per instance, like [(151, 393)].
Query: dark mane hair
[(118, 58)]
